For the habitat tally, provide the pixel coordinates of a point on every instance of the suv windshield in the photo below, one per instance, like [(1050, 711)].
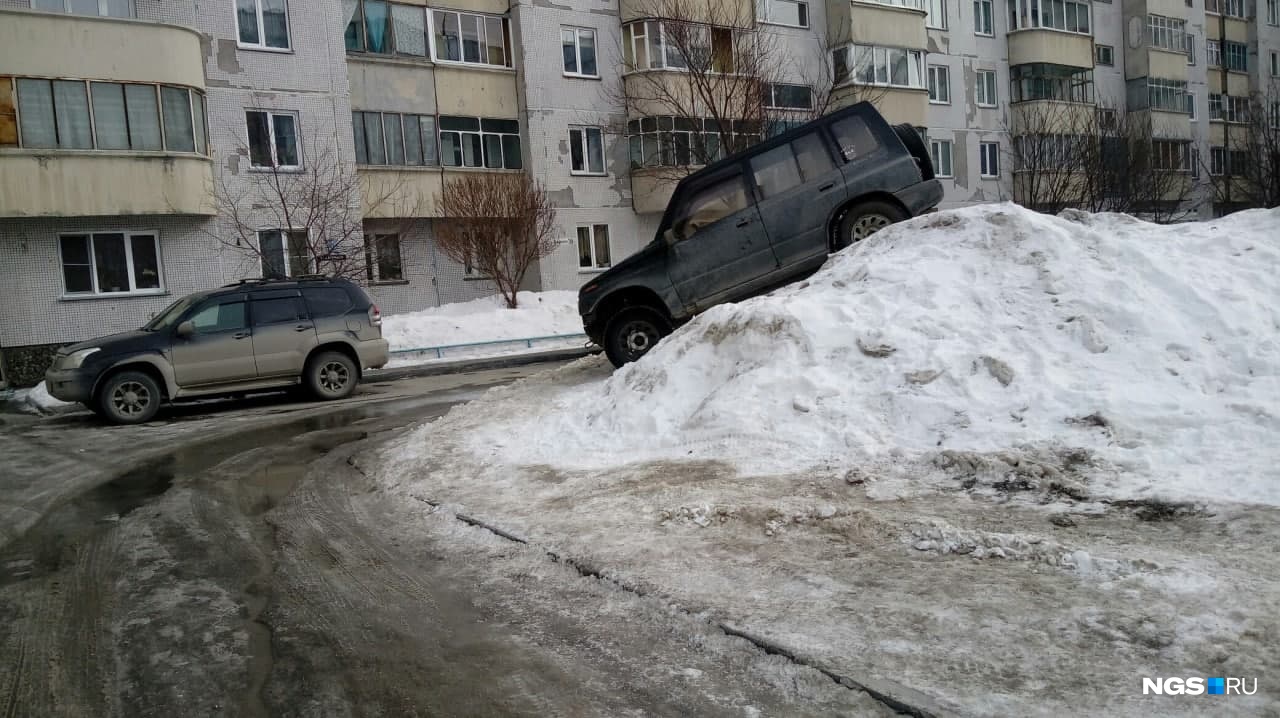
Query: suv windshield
[(165, 319)]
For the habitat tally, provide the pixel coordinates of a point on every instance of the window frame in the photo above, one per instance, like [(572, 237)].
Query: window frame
[(879, 52), (592, 236), (284, 250), (507, 42), (395, 52), (200, 139), (984, 162), (932, 85), (382, 119), (1033, 13), (990, 18), (1111, 55), (271, 138), (765, 16), (577, 50), (929, 14), (630, 41), (936, 156), (583, 133), (484, 146), (128, 235), (262, 45), (373, 258), (771, 102), (66, 8), (981, 89)]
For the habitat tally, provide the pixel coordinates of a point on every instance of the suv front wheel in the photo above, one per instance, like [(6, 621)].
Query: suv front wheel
[(331, 375), (130, 397), (632, 332)]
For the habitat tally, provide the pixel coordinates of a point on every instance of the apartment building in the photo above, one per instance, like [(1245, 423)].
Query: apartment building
[(141, 142)]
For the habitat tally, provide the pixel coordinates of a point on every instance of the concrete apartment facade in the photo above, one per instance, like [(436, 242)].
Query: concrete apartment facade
[(131, 167)]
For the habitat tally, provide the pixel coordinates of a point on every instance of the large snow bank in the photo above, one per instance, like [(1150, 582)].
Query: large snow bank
[(538, 314), (1131, 358)]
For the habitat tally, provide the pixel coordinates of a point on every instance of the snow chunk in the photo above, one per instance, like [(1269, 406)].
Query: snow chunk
[(539, 314)]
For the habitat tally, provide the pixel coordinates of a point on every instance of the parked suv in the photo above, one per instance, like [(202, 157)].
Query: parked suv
[(316, 331), (759, 219)]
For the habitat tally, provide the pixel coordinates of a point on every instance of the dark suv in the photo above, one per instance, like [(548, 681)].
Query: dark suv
[(258, 334), (759, 219)]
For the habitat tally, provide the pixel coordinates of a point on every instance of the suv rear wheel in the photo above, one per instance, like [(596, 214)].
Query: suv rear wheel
[(632, 332), (130, 397), (864, 220), (331, 375)]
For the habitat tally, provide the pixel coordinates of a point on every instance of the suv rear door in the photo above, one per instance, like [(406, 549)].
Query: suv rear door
[(798, 186), (875, 160), (283, 333), (220, 349), (716, 239)]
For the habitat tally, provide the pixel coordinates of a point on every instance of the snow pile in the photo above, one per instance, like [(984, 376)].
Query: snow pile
[(37, 400), (1137, 358), (538, 314)]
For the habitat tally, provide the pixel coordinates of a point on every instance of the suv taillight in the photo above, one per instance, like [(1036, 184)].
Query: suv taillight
[(375, 316)]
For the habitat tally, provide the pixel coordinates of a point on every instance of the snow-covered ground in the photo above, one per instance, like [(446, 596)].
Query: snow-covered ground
[(1016, 462), (538, 314)]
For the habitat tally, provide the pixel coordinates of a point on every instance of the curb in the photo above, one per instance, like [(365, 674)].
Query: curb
[(468, 365)]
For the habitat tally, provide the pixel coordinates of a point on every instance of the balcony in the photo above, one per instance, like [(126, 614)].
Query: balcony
[(651, 188), (1052, 47), (867, 22), (62, 183), (897, 104), (405, 192)]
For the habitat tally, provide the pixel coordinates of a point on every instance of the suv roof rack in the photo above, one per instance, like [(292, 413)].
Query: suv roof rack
[(269, 280)]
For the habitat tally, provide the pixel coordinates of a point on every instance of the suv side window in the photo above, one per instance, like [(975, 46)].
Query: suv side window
[(327, 301), (711, 204), (775, 171), (223, 317), (812, 156), (855, 139), (277, 311)]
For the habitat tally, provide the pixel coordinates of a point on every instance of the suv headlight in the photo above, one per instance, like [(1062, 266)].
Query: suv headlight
[(75, 359)]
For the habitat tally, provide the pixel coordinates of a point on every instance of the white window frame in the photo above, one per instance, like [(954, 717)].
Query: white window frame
[(935, 154), (991, 18), (1021, 16), (985, 163), (1234, 8), (771, 94), (585, 146), (986, 88), (630, 41), (284, 248), (261, 44), (1275, 63), (596, 266), (373, 266), (508, 44), (880, 60), (1273, 12), (935, 9), (938, 84), (766, 17), (128, 234), (271, 135), (102, 9), (1111, 54), (577, 50)]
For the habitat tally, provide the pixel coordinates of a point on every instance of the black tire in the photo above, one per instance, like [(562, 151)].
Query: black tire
[(130, 397), (864, 219), (95, 407), (632, 332), (331, 375)]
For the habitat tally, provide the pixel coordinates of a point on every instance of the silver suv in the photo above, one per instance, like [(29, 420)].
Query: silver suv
[(314, 331)]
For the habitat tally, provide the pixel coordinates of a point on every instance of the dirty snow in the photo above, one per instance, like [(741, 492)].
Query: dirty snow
[(1096, 353), (36, 400), (538, 314)]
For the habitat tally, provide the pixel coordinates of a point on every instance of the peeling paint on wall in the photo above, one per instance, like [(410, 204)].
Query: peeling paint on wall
[(562, 198), (227, 60), (960, 159)]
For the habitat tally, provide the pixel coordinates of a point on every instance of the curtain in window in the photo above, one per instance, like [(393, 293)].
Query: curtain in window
[(411, 31), (247, 19), (176, 108), (428, 140), (354, 35), (275, 23), (377, 24), (110, 263), (357, 128), (144, 117), (71, 108), (109, 115), (35, 107), (197, 116), (394, 135), (286, 140), (412, 140), (373, 134)]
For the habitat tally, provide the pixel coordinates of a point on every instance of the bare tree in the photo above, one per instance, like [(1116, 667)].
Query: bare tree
[(306, 219), (499, 223), (1245, 170)]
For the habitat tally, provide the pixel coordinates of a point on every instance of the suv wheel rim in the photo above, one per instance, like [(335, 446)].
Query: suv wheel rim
[(334, 377), (638, 337), (867, 225), (130, 398)]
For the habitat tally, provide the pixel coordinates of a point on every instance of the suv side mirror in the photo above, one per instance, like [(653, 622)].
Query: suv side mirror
[(186, 329)]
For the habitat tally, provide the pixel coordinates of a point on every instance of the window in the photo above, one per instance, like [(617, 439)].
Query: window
[(1037, 152), (982, 18), (278, 310), (1191, 48), (475, 39), (1236, 55), (110, 263), (776, 171), (1191, 105), (939, 84), (273, 139), (56, 114), (1066, 15), (1275, 115), (914, 4), (284, 253), (586, 150), (327, 301), (103, 8), (884, 66), (1230, 8), (263, 23), (382, 258), (784, 12), (579, 48), (382, 28), (648, 45), (1171, 156), (1042, 81), (686, 141), (940, 153), (1166, 33), (1273, 12), (593, 247), (1106, 55), (710, 205), (1160, 94), (1233, 163), (936, 16), (1228, 108), (789, 97), (986, 94), (220, 316), (1195, 163), (1107, 119), (391, 138), (1213, 53), (1275, 63), (989, 159), (477, 142)]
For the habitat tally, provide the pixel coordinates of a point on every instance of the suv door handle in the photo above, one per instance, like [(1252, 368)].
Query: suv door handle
[(240, 335), (743, 222), (302, 327), (826, 186)]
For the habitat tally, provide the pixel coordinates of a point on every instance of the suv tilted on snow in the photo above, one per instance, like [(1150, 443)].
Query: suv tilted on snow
[(257, 334), (759, 219)]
